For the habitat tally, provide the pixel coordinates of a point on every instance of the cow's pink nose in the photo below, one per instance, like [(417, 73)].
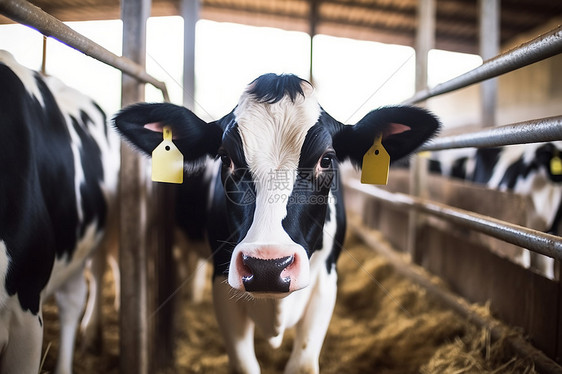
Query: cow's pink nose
[(266, 275)]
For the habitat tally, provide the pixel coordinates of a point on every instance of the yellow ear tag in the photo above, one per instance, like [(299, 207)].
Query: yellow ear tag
[(376, 163), (167, 160), (424, 154), (556, 166)]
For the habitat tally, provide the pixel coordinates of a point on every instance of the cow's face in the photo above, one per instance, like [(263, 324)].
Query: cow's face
[(278, 167), (544, 156), (279, 153)]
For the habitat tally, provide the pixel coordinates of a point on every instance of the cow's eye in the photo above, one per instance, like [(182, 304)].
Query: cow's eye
[(326, 161), (225, 160)]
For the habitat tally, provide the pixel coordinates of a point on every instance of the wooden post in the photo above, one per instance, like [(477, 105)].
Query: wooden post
[(313, 22), (162, 275), (425, 40), (162, 212), (132, 255), (44, 57), (559, 342), (489, 47)]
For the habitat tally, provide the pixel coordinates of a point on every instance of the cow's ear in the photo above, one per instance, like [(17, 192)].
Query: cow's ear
[(142, 125), (403, 129)]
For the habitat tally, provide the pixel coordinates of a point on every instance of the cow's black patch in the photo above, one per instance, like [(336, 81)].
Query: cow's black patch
[(434, 166), (307, 205), (191, 204), (486, 161), (233, 199), (515, 171), (458, 169), (233, 148)]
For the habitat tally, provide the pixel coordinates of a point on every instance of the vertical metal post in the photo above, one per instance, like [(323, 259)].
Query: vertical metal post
[(190, 13), (425, 40), (489, 47), (132, 257)]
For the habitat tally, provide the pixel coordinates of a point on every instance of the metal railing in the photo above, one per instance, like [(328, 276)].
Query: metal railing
[(534, 131), (546, 244), (28, 14), (540, 48)]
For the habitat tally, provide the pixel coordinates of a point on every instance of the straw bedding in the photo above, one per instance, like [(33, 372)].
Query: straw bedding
[(382, 324)]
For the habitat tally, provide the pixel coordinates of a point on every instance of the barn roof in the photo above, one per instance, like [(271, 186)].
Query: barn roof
[(388, 21)]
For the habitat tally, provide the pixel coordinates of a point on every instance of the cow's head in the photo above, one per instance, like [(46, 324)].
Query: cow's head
[(279, 152), (544, 156)]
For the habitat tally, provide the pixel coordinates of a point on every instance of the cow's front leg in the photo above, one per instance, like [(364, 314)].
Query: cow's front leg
[(237, 329), (311, 329), (70, 298)]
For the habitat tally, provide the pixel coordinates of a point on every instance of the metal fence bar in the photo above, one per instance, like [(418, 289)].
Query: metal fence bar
[(534, 131), (540, 48), (536, 241), (28, 14)]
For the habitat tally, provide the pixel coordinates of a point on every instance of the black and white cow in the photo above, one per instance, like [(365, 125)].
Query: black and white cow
[(58, 174), (525, 169), (269, 201)]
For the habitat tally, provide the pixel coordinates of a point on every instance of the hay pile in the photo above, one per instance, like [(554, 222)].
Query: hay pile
[(382, 324)]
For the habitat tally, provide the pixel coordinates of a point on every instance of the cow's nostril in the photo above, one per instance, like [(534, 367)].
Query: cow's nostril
[(265, 274)]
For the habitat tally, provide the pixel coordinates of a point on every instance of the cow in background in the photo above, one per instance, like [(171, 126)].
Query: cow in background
[(265, 192), (58, 178), (526, 169)]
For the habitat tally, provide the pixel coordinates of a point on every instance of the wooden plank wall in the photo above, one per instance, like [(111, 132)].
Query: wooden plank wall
[(474, 265)]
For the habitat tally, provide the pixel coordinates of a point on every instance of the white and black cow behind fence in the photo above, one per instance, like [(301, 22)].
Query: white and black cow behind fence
[(531, 170), (263, 188), (59, 165)]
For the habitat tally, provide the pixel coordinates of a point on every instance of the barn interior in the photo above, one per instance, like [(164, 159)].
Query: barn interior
[(488, 313)]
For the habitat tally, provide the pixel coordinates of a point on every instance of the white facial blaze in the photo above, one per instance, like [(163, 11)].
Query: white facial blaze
[(272, 136)]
